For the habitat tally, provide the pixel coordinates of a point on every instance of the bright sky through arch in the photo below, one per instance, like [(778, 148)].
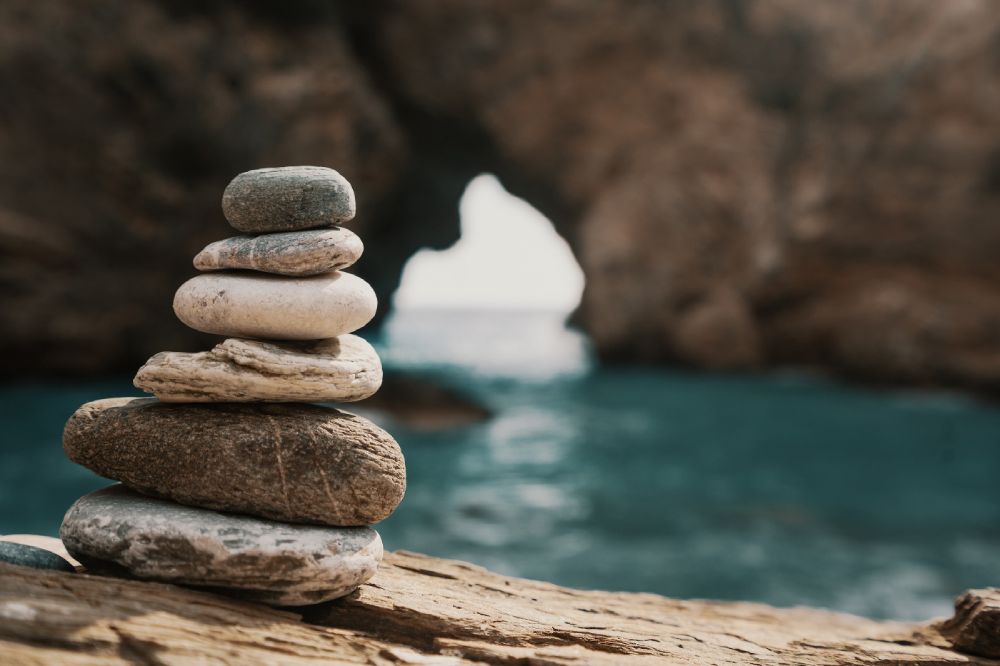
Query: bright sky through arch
[(509, 257)]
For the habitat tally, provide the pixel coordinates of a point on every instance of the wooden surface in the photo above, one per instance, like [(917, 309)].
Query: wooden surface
[(422, 610)]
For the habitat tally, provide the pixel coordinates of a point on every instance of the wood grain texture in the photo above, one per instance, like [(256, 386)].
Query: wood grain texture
[(423, 610)]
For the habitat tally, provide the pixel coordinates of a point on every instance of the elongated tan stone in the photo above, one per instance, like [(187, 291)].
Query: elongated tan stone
[(343, 369), (287, 199), (248, 305), (286, 565), (291, 462), (294, 253)]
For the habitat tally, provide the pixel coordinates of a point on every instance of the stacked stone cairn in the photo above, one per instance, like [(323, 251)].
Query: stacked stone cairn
[(231, 478)]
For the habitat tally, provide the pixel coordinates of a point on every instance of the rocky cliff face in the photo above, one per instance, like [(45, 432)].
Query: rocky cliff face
[(744, 184), (120, 123)]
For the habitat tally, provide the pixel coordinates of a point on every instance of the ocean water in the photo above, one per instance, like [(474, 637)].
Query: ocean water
[(785, 489)]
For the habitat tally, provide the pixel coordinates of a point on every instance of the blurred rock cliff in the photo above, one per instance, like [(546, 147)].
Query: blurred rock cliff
[(745, 184)]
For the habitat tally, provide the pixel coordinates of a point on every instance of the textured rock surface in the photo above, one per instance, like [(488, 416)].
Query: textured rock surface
[(422, 610), (31, 556), (799, 182), (975, 627), (300, 463), (745, 184), (287, 199), (117, 151), (280, 308), (295, 253), (262, 560), (50, 544), (343, 369)]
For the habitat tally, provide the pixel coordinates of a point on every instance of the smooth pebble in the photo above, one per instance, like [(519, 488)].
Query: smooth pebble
[(248, 305)]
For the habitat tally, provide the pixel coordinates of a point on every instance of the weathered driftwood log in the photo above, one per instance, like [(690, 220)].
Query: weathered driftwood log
[(422, 610)]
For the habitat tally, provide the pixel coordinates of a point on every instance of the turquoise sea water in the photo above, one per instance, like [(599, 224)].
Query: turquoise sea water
[(783, 489)]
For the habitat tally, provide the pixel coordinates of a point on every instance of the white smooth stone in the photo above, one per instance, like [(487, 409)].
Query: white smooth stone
[(271, 307)]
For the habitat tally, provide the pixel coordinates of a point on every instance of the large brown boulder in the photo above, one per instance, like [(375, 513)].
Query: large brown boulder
[(289, 462), (744, 184)]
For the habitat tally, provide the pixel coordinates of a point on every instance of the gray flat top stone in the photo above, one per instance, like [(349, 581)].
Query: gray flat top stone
[(287, 199)]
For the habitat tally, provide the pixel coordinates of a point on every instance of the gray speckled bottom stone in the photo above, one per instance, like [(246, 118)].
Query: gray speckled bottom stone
[(117, 529), (29, 556)]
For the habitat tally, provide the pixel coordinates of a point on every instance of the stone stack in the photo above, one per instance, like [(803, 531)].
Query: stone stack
[(230, 478)]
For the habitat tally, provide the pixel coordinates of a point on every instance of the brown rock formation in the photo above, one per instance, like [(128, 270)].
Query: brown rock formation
[(744, 184), (975, 627), (422, 610), (121, 124)]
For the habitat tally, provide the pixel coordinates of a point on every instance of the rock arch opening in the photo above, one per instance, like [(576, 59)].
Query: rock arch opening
[(509, 257), (498, 299)]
